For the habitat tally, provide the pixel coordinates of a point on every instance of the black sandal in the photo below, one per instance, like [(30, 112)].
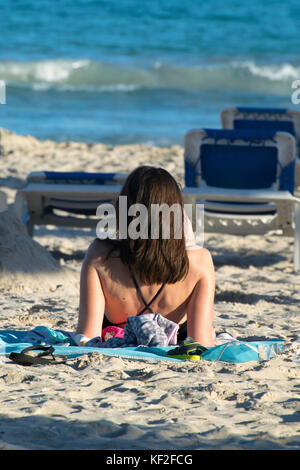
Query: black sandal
[(24, 359)]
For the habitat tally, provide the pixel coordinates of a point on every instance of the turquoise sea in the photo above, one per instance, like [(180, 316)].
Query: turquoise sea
[(133, 71)]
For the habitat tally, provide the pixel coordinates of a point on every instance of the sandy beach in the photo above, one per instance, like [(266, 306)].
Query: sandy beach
[(101, 402)]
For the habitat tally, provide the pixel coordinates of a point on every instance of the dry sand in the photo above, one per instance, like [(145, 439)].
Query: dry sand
[(101, 402)]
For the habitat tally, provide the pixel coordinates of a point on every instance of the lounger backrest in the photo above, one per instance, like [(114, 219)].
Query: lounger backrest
[(239, 159), (271, 119), (73, 204), (59, 177)]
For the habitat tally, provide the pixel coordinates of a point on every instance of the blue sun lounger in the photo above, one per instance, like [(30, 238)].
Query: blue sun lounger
[(265, 119), (68, 199), (245, 179)]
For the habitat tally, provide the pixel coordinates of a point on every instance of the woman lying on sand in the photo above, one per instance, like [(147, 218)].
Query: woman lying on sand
[(121, 278)]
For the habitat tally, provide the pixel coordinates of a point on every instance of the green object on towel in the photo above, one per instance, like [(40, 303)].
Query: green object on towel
[(189, 350)]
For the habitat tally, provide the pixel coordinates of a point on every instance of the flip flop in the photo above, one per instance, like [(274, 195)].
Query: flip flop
[(24, 359), (188, 351)]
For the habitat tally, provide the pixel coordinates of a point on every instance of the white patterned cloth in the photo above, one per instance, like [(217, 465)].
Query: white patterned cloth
[(149, 329)]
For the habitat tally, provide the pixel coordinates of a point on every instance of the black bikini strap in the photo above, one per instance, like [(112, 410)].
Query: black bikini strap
[(147, 304)]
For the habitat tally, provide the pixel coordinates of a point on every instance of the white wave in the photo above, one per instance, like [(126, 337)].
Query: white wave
[(88, 75), (54, 72), (271, 72), (119, 87), (47, 71)]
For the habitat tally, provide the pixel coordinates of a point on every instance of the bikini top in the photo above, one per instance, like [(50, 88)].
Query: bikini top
[(147, 304)]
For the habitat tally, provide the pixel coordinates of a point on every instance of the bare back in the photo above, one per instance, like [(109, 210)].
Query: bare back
[(121, 297)]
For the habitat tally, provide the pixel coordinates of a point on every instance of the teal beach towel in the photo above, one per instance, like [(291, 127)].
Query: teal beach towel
[(232, 351)]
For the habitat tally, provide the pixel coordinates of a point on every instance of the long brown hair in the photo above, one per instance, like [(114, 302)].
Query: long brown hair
[(156, 260)]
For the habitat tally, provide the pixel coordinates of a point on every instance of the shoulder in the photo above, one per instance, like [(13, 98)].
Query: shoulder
[(98, 251), (200, 253), (201, 261)]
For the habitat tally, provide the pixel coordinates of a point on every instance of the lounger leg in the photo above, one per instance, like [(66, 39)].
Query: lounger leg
[(19, 212), (3, 201), (297, 239), (30, 228), (297, 174), (19, 206)]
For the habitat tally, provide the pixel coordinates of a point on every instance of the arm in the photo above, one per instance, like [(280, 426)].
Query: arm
[(92, 301), (200, 308)]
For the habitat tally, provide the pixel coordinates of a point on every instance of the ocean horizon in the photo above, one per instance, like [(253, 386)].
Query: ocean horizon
[(131, 72)]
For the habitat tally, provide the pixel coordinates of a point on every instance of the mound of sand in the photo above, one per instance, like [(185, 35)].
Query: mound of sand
[(25, 264)]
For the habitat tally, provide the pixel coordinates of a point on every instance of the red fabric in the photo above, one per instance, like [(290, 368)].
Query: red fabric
[(112, 331)]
